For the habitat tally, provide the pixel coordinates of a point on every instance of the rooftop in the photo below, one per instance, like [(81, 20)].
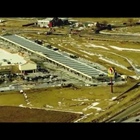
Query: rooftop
[(9, 57)]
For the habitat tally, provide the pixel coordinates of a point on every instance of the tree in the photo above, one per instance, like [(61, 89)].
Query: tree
[(104, 22), (130, 21)]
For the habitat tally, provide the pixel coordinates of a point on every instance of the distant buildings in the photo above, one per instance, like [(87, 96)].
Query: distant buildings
[(51, 22)]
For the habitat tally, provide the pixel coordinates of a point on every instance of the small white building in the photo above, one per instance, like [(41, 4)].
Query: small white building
[(28, 66), (124, 77), (1, 20), (44, 22), (15, 63)]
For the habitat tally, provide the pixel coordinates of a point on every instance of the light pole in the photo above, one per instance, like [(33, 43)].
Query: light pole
[(61, 78), (111, 75)]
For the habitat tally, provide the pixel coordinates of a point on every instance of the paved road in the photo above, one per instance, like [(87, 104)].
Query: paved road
[(125, 34), (133, 119), (118, 36), (127, 112)]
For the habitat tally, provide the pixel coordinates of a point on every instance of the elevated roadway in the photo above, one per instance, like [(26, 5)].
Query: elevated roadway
[(56, 57)]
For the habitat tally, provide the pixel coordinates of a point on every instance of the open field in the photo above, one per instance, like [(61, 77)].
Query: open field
[(20, 114), (87, 100), (106, 49)]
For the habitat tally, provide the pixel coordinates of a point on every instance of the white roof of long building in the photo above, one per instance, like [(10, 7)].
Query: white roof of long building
[(73, 64), (45, 20), (13, 58)]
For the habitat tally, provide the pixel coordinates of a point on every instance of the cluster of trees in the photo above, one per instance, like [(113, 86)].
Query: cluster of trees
[(102, 26), (58, 22)]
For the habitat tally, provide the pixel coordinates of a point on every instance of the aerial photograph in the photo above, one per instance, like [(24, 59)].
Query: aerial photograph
[(70, 69)]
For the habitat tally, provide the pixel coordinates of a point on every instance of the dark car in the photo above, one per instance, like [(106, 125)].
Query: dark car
[(137, 120)]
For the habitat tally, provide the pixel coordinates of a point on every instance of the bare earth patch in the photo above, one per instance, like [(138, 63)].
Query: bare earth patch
[(19, 114)]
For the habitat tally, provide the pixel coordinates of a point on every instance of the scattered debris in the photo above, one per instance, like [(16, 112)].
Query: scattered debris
[(48, 106), (21, 91)]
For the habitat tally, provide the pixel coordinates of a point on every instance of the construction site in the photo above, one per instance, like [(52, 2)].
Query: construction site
[(81, 67)]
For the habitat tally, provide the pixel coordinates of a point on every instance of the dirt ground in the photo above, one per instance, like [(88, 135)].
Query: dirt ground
[(20, 114)]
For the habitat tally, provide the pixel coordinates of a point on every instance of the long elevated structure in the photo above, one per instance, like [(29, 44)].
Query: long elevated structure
[(55, 57)]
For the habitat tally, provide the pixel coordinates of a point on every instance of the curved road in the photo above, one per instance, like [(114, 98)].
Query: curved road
[(121, 116), (133, 119), (129, 34), (126, 113)]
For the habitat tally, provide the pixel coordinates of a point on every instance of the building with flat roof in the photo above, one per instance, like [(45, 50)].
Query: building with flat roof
[(51, 22), (44, 22), (29, 66), (15, 63)]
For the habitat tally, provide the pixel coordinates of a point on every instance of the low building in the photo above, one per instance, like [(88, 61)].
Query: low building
[(29, 66), (5, 68), (51, 22), (14, 63), (124, 77), (44, 22)]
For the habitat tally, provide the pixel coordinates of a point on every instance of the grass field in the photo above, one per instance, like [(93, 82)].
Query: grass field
[(72, 100)]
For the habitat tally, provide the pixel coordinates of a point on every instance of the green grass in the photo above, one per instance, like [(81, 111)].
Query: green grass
[(131, 97), (67, 96), (114, 57), (13, 99), (51, 96)]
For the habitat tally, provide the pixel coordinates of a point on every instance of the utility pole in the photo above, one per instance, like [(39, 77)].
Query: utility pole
[(61, 78), (111, 75), (111, 86)]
